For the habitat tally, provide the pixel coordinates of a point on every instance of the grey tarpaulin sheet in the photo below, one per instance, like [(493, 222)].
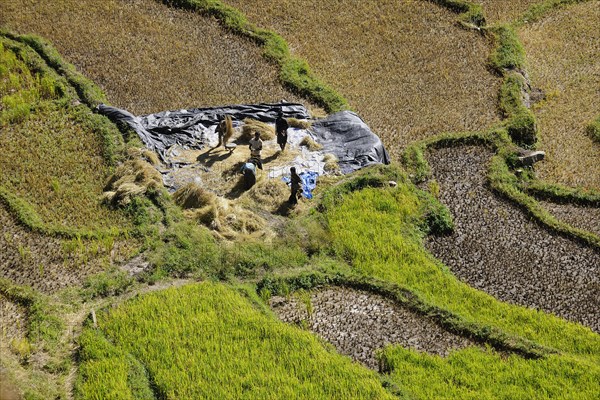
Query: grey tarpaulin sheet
[(343, 134), (347, 136)]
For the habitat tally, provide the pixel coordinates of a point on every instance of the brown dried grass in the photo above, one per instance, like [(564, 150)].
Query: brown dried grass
[(310, 143), (266, 131), (193, 196), (299, 123), (406, 67), (132, 178), (149, 57), (231, 221), (563, 56), (504, 10)]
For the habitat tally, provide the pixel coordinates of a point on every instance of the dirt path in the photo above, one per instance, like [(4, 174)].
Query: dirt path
[(497, 248)]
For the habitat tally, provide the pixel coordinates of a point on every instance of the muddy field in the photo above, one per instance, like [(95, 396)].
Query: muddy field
[(497, 248), (359, 323)]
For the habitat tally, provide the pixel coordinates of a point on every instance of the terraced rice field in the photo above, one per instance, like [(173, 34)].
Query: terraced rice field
[(496, 248), (563, 56), (49, 264), (149, 57), (404, 66), (360, 323), (220, 347)]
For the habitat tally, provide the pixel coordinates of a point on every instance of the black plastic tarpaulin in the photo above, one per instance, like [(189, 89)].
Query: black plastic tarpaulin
[(348, 137), (343, 134), (189, 128)]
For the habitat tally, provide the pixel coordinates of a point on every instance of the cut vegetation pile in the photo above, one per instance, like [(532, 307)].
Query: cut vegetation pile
[(563, 60), (140, 41), (406, 67)]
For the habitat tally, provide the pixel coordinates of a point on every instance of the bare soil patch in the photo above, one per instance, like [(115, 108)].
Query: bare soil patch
[(358, 323), (497, 248), (563, 56), (579, 216), (149, 57), (405, 66)]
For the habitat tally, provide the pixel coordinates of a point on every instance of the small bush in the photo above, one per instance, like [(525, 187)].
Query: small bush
[(109, 283), (593, 130)]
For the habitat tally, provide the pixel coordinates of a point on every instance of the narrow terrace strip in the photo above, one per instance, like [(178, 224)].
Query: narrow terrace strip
[(580, 216), (497, 248), (43, 262)]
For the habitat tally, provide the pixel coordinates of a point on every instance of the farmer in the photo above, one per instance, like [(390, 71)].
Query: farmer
[(296, 182), (281, 126), (256, 146), (221, 129), (249, 172)]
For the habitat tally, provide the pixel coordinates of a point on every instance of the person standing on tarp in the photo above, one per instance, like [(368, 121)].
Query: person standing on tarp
[(221, 129), (296, 183), (256, 146), (281, 127)]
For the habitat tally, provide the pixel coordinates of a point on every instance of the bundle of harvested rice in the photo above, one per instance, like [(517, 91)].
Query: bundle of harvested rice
[(266, 131)]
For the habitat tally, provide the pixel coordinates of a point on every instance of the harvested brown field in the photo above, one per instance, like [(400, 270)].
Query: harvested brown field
[(504, 10), (497, 248), (563, 56), (148, 57), (54, 163), (49, 264), (405, 66)]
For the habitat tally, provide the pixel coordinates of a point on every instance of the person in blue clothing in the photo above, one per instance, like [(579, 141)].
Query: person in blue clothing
[(249, 171), (296, 183)]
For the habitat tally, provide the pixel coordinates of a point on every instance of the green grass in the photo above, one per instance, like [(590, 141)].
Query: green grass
[(477, 374), (220, 346)]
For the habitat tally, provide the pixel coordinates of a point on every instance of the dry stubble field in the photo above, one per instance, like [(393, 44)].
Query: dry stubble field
[(563, 57), (405, 66), (497, 11), (148, 57)]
